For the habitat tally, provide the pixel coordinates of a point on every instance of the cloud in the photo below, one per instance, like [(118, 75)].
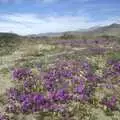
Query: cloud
[(49, 1), (23, 1), (34, 23), (38, 1)]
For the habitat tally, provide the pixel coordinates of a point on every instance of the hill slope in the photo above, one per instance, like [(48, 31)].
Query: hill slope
[(8, 42), (112, 30)]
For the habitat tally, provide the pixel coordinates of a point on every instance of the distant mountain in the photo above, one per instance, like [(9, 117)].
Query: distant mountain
[(108, 28), (112, 30), (50, 34), (3, 34)]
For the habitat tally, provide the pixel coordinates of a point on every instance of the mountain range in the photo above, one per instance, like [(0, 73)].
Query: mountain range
[(112, 30)]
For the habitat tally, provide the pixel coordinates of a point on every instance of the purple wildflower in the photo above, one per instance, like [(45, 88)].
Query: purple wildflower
[(86, 66), (92, 78), (79, 89), (39, 99), (12, 108), (3, 117), (29, 84), (116, 67), (21, 73), (110, 102), (13, 93), (61, 95), (26, 106)]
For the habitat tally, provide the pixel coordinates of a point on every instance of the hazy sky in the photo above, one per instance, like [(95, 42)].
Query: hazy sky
[(40, 16)]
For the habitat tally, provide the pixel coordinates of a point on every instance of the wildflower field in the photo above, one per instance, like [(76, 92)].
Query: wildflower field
[(61, 80)]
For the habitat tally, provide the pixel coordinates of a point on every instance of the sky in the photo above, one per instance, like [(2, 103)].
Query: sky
[(41, 16)]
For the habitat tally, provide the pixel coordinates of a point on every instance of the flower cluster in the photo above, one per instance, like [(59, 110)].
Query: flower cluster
[(74, 77), (110, 102), (113, 68), (66, 83), (111, 81), (3, 117), (21, 73)]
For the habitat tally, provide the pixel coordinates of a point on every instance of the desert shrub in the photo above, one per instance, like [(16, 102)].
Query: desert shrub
[(114, 55), (67, 36)]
